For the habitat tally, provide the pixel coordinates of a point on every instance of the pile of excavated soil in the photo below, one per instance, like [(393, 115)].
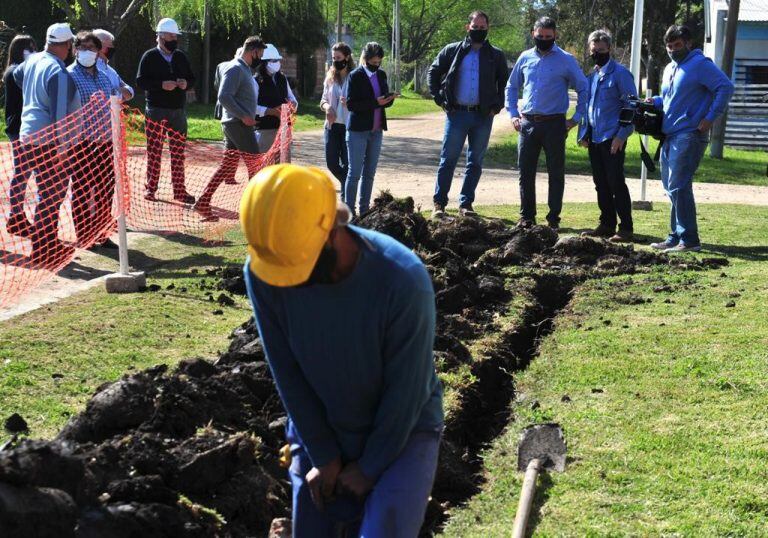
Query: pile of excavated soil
[(194, 452)]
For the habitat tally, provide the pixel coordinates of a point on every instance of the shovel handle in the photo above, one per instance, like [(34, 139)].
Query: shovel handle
[(526, 498)]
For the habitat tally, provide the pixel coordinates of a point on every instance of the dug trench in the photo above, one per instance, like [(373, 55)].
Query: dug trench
[(193, 452)]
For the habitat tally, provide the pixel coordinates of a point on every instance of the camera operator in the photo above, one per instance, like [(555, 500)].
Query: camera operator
[(694, 92), (609, 86)]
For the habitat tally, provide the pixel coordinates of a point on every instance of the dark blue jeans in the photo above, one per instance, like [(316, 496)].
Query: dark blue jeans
[(550, 135), (461, 126), (336, 158), (21, 174), (680, 157)]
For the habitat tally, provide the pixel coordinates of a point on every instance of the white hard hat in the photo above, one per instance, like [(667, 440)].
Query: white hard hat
[(271, 53), (59, 32), (168, 26)]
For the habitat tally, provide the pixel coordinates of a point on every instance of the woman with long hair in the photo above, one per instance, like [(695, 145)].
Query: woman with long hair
[(21, 47), (332, 103), (367, 98)]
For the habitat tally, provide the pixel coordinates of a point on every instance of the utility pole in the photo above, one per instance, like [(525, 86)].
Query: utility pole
[(729, 49), (634, 67), (206, 52), (396, 45), (338, 21)]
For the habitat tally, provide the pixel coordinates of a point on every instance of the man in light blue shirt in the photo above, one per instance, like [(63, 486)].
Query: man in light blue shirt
[(544, 74), (610, 86), (49, 95), (119, 86), (694, 92)]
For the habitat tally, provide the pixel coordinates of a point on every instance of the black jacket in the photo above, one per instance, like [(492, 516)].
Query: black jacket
[(361, 102), (443, 74), (273, 92), (13, 104), (154, 70)]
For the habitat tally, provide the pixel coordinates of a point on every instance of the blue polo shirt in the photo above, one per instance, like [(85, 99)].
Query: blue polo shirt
[(544, 81), (609, 89)]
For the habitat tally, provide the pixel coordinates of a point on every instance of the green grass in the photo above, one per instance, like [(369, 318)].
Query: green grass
[(203, 126), (674, 445), (738, 166)]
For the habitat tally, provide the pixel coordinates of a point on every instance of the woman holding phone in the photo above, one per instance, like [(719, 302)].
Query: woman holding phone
[(336, 112), (367, 97)]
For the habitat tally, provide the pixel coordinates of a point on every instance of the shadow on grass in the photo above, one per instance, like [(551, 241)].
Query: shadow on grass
[(752, 254), (539, 500)]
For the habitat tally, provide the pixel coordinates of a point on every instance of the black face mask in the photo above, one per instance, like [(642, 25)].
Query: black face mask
[(110, 52), (600, 58), (478, 36), (255, 62), (372, 68), (338, 65), (170, 45), (678, 55), (544, 44), (70, 56), (323, 271)]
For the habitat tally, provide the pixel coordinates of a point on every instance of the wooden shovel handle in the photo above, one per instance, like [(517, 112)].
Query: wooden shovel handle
[(526, 498)]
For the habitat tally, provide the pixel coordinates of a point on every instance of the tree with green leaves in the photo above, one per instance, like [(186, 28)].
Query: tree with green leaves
[(113, 15)]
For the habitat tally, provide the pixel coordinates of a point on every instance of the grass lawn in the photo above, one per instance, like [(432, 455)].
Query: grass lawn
[(203, 126), (741, 167), (673, 443), (666, 423)]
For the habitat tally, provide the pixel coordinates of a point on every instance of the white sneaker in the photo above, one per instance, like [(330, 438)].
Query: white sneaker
[(682, 247)]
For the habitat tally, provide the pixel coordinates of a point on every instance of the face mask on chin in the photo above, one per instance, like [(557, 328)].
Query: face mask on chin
[(87, 58), (273, 67)]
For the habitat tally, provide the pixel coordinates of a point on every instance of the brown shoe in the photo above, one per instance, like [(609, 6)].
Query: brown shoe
[(621, 236), (600, 231), (439, 211)]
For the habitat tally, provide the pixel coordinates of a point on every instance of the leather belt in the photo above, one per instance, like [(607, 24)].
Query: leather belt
[(543, 117), (467, 108)]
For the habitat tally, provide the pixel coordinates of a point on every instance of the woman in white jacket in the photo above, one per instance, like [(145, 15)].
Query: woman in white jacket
[(336, 113)]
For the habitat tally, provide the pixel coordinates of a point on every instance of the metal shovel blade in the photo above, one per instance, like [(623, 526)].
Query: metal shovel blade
[(544, 442)]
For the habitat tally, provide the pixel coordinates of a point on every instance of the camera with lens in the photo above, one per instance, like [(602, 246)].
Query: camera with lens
[(645, 117)]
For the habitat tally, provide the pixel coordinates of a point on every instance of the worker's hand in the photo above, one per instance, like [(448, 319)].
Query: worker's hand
[(273, 112), (704, 126), (126, 94), (322, 481), (570, 124), (584, 143), (617, 145), (248, 121), (169, 85), (352, 480), (516, 124), (330, 115), (182, 83)]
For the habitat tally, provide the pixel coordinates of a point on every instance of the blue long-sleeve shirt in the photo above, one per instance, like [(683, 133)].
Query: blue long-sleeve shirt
[(693, 90), (49, 94), (468, 79), (609, 87), (545, 80), (353, 361)]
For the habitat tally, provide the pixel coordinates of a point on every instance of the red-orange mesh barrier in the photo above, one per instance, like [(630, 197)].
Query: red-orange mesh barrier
[(58, 188)]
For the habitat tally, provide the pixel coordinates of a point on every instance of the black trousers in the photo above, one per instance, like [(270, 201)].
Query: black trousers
[(550, 135), (611, 186), (93, 189)]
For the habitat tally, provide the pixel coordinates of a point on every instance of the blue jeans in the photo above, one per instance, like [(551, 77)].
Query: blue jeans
[(394, 508), (680, 157), (363, 149), (336, 158), (461, 125)]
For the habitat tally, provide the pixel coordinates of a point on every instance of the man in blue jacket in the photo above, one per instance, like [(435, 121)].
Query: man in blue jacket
[(609, 85), (467, 80), (544, 74), (694, 92), (347, 321)]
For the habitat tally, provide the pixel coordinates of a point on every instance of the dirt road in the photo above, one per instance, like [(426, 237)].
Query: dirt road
[(411, 152)]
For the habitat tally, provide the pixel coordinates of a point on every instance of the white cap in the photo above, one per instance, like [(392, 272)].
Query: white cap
[(168, 26), (59, 32), (271, 53)]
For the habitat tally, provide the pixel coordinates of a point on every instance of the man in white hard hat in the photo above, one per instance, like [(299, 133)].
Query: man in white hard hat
[(165, 74), (49, 94), (119, 86), (274, 92)]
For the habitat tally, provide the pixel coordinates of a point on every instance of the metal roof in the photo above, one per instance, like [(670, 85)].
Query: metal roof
[(753, 11)]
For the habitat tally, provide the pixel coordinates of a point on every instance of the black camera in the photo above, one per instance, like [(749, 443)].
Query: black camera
[(645, 117)]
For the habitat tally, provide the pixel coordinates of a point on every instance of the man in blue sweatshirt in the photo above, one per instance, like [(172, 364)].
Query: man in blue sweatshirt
[(347, 320), (694, 92)]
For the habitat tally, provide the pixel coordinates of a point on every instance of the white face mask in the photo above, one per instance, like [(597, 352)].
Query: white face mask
[(27, 54), (87, 58), (273, 67)]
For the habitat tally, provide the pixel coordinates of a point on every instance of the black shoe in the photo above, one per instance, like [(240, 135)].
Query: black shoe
[(467, 211), (18, 224), (108, 243), (150, 196), (554, 226), (622, 236), (184, 197), (526, 223), (439, 211)]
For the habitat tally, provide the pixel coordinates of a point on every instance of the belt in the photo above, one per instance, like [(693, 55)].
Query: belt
[(543, 117), (467, 108)]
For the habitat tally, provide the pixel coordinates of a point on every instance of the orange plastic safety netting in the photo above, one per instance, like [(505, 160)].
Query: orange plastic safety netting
[(60, 187)]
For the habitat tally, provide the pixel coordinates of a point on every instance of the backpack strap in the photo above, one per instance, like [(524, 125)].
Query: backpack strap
[(646, 157)]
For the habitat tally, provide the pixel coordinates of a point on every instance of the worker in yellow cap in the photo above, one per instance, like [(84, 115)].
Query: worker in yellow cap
[(347, 320)]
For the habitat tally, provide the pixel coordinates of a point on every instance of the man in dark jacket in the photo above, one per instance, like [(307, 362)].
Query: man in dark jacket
[(165, 74), (467, 80)]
